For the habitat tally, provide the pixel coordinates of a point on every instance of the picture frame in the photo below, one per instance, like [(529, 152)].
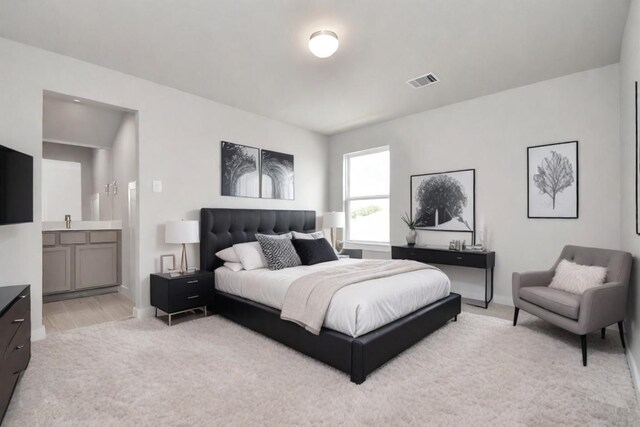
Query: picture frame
[(637, 173), (444, 201), (277, 175), (167, 263), (553, 181), (239, 170)]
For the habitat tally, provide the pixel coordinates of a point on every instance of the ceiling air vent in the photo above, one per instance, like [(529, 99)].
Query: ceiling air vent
[(423, 81)]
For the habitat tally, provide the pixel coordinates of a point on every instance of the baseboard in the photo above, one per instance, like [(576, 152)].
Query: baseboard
[(140, 313), (503, 299), (38, 333), (635, 375)]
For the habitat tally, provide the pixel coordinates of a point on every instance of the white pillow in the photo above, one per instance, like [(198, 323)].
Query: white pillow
[(576, 278), (233, 266), (228, 255), (307, 236), (250, 255)]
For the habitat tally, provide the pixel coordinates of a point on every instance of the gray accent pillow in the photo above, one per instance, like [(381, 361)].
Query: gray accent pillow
[(278, 251)]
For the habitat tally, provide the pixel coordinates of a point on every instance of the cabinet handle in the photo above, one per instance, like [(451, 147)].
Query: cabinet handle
[(20, 347), (458, 257), (24, 296), (192, 281), (18, 321), (193, 296)]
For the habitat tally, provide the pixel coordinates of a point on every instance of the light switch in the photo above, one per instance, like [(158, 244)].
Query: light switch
[(157, 186)]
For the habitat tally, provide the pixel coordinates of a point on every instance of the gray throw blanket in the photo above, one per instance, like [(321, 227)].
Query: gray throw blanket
[(308, 298)]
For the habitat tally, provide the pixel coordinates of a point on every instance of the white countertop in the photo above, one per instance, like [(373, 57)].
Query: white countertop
[(81, 225)]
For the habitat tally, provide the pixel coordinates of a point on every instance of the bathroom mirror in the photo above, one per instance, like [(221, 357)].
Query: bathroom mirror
[(76, 181)]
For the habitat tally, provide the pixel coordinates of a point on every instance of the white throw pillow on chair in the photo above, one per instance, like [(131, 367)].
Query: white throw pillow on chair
[(576, 278)]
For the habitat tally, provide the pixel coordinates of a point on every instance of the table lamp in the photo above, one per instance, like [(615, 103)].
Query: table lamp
[(182, 232), (333, 220)]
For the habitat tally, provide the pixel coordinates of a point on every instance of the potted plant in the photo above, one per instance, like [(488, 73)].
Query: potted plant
[(412, 234)]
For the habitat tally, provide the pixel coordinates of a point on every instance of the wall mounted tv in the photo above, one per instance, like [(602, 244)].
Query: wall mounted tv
[(16, 187)]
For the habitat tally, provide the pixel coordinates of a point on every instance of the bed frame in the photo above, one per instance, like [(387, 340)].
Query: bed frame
[(222, 228)]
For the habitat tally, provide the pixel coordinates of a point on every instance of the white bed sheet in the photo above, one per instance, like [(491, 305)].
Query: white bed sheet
[(354, 310)]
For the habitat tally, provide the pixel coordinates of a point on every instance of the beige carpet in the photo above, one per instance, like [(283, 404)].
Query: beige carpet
[(477, 371)]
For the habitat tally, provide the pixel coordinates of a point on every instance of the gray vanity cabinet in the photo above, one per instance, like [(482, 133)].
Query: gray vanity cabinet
[(56, 265), (76, 261)]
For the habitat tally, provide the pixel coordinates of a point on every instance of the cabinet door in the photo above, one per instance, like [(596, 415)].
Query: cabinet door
[(96, 265), (56, 269)]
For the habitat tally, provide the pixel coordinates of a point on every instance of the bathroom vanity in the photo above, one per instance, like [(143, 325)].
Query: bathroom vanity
[(82, 261)]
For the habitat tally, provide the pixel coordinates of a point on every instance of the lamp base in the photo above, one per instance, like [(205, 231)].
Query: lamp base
[(184, 265)]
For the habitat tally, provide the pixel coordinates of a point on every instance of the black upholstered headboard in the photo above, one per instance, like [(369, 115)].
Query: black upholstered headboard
[(221, 228)]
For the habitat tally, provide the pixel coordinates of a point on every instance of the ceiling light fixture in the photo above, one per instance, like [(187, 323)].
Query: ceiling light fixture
[(323, 43), (76, 100)]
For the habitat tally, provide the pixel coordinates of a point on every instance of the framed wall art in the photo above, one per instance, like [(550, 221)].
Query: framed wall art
[(277, 174), (240, 170), (444, 201), (552, 180)]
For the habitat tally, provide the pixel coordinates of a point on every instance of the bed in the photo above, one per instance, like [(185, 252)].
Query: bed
[(356, 346)]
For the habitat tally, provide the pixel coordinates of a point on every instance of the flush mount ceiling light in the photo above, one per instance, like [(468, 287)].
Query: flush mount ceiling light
[(323, 43)]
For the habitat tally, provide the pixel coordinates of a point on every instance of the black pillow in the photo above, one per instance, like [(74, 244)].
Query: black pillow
[(314, 251)]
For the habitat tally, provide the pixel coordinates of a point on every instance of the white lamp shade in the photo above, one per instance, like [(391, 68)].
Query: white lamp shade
[(182, 232), (333, 220)]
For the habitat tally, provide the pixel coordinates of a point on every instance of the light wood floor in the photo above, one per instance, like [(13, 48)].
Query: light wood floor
[(70, 314)]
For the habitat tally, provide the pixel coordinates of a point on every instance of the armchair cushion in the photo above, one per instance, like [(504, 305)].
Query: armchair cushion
[(559, 302), (576, 278)]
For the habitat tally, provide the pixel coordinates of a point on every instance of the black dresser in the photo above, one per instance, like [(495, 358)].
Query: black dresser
[(446, 256), (15, 339)]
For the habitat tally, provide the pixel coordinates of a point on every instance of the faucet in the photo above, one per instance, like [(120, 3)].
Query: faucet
[(67, 219)]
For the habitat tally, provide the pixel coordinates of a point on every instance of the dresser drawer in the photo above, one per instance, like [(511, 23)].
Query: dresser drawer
[(190, 285), (437, 256), (18, 358), (15, 321), (190, 300), (459, 258)]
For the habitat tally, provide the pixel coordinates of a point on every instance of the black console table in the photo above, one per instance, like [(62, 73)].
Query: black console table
[(445, 256)]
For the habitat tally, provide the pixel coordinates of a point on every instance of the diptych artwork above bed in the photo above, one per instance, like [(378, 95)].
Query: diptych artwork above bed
[(251, 172)]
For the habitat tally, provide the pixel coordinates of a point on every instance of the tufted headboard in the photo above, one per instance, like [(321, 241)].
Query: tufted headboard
[(222, 228)]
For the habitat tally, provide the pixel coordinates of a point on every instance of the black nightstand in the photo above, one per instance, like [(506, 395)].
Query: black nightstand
[(180, 294)]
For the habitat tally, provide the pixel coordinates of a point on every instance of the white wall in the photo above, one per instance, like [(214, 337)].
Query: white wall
[(629, 74), (179, 143), (491, 134), (125, 170), (103, 175)]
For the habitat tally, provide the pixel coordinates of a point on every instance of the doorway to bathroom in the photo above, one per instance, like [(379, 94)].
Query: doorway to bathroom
[(89, 212)]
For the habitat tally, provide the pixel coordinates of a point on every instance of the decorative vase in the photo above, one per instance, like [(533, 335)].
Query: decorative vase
[(411, 237)]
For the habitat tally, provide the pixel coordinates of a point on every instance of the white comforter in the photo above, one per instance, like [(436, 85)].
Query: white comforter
[(354, 310)]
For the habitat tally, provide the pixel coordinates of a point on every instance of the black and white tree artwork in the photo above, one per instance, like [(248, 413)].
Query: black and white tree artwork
[(553, 180), (444, 201), (277, 175), (240, 172)]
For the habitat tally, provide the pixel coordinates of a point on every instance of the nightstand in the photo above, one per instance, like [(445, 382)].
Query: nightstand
[(175, 295)]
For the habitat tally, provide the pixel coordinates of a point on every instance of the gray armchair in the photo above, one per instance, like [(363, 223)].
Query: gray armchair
[(595, 309)]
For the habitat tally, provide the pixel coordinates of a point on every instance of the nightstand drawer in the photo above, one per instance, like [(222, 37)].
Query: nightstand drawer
[(190, 300), (190, 284)]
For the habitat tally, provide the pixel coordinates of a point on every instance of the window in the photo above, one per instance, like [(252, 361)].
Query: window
[(366, 204)]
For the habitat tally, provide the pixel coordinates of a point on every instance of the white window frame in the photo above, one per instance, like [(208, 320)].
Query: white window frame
[(358, 244)]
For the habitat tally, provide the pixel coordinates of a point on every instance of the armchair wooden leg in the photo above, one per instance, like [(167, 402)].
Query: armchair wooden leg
[(621, 334), (583, 341), (515, 315), (602, 332)]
